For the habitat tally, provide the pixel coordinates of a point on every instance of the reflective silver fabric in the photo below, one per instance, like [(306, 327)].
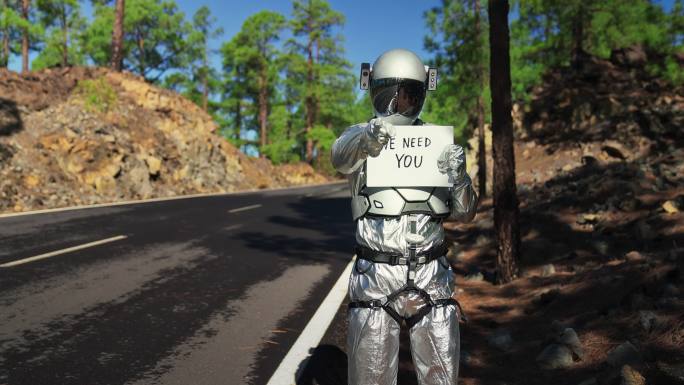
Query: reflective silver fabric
[(373, 335)]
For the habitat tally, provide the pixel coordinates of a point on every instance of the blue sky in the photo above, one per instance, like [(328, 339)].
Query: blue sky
[(371, 27)]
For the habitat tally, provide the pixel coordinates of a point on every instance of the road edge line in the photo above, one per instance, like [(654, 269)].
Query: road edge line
[(286, 373), (160, 199)]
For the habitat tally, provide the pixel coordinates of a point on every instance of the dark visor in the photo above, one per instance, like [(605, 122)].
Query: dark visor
[(397, 96)]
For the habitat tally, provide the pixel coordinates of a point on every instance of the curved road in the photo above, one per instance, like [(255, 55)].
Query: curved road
[(201, 290)]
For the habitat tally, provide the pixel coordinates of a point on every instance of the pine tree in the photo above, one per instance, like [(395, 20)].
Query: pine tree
[(252, 53), (199, 80), (154, 42), (11, 24), (25, 7), (506, 214), (64, 25), (455, 40), (324, 72)]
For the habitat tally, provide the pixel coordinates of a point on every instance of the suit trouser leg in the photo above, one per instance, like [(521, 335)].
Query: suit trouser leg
[(372, 347), (435, 347)]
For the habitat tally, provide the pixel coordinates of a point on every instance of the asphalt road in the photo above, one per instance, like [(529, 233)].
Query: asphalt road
[(207, 290)]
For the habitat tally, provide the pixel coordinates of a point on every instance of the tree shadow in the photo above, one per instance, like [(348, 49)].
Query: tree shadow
[(10, 118), (594, 289)]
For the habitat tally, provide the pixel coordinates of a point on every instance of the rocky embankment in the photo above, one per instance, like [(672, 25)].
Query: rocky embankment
[(80, 136), (600, 298)]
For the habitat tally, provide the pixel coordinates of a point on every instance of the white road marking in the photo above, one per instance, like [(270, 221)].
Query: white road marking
[(244, 208), (286, 373), (63, 251), (232, 227)]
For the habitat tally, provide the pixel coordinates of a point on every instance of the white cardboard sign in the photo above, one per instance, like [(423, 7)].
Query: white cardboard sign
[(410, 158)]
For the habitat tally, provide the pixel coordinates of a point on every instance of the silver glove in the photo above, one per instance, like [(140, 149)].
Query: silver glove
[(452, 161), (378, 133)]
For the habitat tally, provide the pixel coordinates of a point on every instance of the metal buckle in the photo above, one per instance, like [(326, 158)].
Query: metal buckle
[(401, 260), (422, 259)]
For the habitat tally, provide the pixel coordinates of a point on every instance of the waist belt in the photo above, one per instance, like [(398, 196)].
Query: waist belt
[(399, 259)]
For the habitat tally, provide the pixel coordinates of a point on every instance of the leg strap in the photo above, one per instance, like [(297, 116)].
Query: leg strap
[(377, 304), (414, 319)]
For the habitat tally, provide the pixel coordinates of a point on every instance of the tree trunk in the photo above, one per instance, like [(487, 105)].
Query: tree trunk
[(141, 59), (25, 37), (578, 37), (505, 199), (310, 103), (5, 50), (117, 37), (263, 108), (65, 37), (481, 154), (205, 81)]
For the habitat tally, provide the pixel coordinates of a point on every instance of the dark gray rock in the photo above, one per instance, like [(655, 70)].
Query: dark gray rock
[(623, 354), (555, 356), (501, 339)]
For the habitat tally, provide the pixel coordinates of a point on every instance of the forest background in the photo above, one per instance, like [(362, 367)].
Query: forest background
[(283, 87)]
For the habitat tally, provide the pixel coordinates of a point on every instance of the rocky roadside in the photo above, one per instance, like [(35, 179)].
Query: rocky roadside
[(79, 136), (600, 299)]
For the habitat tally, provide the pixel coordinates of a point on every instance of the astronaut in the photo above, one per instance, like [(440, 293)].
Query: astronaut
[(401, 274)]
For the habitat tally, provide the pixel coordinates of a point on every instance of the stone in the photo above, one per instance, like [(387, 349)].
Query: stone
[(481, 240), (602, 247), (647, 320), (474, 277), (548, 270), (153, 165), (587, 219), (670, 207), (555, 356), (570, 339), (501, 339), (631, 377), (634, 256), (623, 354)]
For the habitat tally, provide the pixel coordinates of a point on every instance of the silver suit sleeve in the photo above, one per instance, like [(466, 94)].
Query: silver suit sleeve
[(463, 201), (352, 148)]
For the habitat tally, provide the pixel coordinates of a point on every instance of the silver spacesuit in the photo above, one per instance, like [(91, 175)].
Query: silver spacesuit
[(401, 273)]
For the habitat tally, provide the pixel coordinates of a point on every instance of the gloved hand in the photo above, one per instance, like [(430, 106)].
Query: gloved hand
[(452, 161), (378, 133)]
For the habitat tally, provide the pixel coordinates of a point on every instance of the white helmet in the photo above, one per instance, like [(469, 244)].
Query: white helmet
[(398, 85)]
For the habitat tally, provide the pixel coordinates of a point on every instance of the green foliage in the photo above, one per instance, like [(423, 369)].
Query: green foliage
[(64, 26), (12, 25), (460, 54), (155, 39), (250, 61), (548, 33), (97, 94), (198, 81), (319, 85)]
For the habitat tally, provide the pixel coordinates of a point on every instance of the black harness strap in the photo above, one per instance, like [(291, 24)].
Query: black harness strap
[(412, 261)]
